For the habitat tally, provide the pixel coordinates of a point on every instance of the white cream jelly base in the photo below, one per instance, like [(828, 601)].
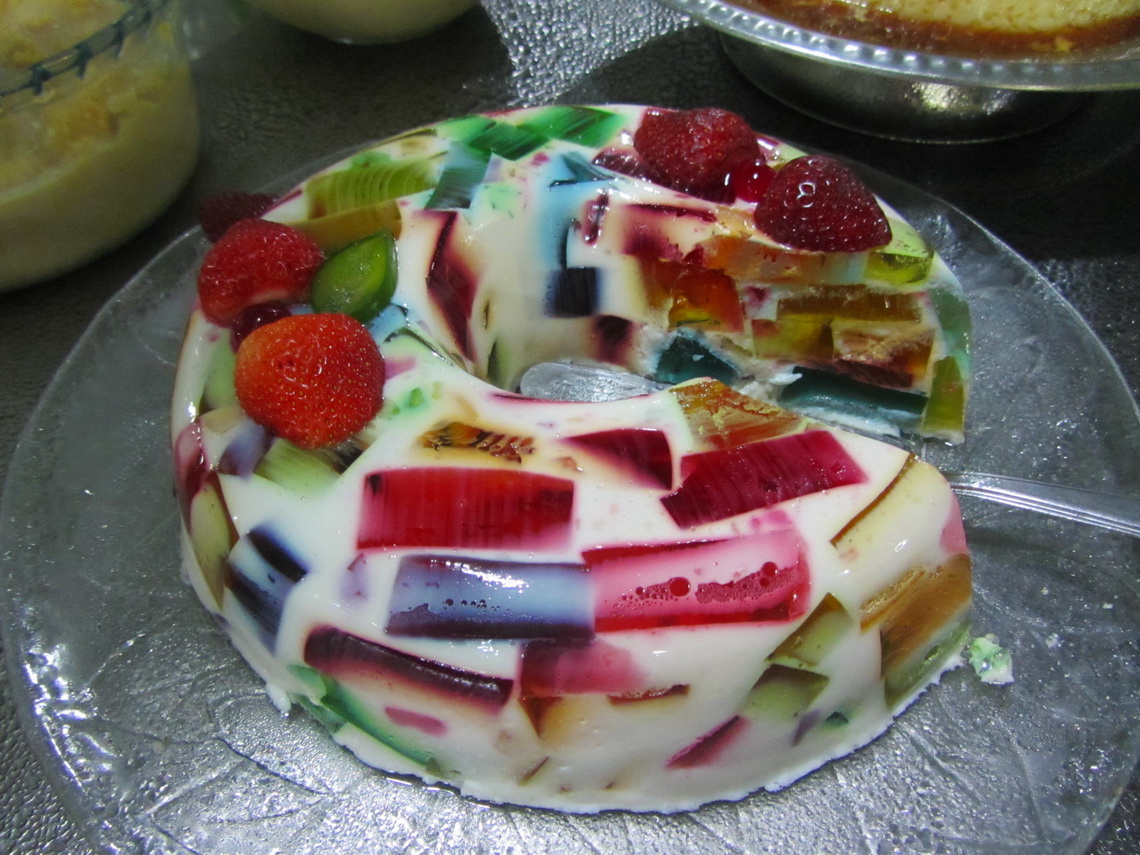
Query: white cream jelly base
[(598, 755), (611, 752)]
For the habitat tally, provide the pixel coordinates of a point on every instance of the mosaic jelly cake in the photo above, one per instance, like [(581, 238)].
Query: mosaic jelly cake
[(648, 603)]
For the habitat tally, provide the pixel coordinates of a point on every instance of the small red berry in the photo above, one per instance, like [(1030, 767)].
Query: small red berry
[(314, 380), (624, 160), (254, 262), (695, 150), (751, 179), (218, 212), (257, 315), (818, 204)]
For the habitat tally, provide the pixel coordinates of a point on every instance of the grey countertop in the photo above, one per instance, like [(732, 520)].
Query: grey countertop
[(273, 99)]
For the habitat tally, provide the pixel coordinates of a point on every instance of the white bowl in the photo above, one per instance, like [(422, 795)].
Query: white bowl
[(366, 21)]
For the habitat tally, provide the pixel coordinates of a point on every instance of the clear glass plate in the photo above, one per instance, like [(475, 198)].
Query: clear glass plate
[(1115, 67), (161, 740)]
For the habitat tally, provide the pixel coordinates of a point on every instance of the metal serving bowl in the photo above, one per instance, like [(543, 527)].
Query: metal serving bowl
[(908, 94)]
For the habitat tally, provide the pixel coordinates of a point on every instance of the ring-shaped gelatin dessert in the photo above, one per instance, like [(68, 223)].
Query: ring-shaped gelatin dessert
[(645, 604)]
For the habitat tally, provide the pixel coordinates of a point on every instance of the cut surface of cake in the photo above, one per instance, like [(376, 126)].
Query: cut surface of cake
[(968, 27), (643, 604)]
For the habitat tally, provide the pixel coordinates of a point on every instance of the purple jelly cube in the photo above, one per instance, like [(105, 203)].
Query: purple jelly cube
[(572, 292), (446, 596), (264, 572), (343, 656)]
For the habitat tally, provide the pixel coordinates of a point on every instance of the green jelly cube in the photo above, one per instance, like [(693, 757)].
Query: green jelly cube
[(783, 693), (336, 706), (462, 173), (687, 358), (904, 261), (348, 189), (359, 279), (464, 128), (490, 135), (813, 639), (586, 126), (328, 720), (945, 413), (902, 682), (298, 469), (954, 317), (818, 391), (213, 536), (315, 682), (218, 390)]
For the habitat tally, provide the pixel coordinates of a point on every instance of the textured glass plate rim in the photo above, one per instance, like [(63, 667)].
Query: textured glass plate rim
[(122, 827), (1106, 69)]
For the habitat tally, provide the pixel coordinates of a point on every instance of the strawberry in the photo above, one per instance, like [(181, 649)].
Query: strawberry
[(314, 380), (254, 262), (818, 204), (218, 212), (694, 151)]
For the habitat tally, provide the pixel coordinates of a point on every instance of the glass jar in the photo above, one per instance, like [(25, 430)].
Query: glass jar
[(96, 139)]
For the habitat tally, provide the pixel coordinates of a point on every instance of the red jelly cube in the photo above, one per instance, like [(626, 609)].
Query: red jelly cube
[(642, 452), (451, 285), (465, 507), (762, 576), (726, 482), (552, 669), (709, 747), (190, 466)]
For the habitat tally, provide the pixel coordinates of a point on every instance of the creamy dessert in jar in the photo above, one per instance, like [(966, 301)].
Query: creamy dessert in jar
[(98, 103), (967, 27), (643, 604)]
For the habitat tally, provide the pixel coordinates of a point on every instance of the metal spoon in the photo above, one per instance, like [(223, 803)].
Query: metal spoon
[(574, 381), (1106, 510)]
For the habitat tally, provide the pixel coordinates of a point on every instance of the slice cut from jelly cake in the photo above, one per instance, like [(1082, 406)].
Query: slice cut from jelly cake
[(521, 241), (647, 603)]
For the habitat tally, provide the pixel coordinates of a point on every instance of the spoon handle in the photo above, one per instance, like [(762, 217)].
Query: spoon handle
[(1112, 512)]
